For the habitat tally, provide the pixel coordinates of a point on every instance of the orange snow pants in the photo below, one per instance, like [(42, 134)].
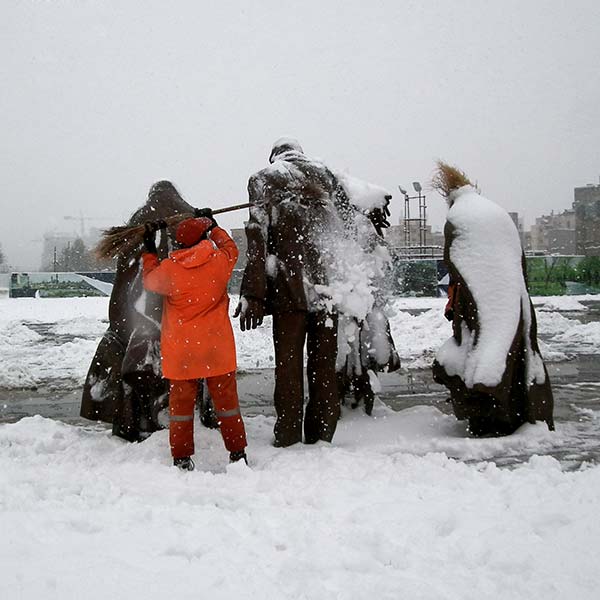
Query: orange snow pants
[(182, 398)]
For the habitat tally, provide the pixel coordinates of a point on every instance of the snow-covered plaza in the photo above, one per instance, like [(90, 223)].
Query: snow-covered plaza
[(403, 504)]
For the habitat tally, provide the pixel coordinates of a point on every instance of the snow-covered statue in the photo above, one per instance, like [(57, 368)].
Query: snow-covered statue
[(124, 384), (305, 267), (365, 344), (492, 364)]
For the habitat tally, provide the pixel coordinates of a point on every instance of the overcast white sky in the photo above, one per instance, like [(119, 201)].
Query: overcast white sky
[(100, 99)]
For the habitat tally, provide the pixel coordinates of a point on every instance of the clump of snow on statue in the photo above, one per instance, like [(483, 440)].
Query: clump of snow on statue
[(353, 274), (359, 260), (363, 195)]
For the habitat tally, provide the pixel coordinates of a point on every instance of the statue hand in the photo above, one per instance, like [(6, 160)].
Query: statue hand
[(251, 312)]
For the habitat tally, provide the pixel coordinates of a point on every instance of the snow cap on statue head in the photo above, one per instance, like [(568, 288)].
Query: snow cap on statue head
[(192, 231), (285, 144)]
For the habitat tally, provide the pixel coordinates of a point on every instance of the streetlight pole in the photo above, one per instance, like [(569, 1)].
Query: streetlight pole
[(422, 214), (406, 216), (421, 221)]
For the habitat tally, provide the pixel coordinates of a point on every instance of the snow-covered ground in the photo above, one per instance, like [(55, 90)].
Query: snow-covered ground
[(25, 362), (85, 515), (72, 327), (402, 505)]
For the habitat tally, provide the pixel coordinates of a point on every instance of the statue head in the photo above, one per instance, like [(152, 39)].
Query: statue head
[(163, 190), (285, 144)]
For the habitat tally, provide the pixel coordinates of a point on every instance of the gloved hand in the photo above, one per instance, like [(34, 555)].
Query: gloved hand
[(150, 230), (251, 312), (205, 212), (152, 226), (379, 216)]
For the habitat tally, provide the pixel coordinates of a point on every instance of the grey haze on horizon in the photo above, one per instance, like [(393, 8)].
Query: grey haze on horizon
[(100, 99)]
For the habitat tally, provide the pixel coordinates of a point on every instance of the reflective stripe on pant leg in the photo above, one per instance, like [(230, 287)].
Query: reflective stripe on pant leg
[(182, 396), (223, 391)]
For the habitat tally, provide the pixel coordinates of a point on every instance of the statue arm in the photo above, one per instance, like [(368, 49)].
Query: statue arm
[(254, 282), (253, 294)]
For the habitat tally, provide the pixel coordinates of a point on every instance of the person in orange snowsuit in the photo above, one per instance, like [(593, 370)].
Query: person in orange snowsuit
[(196, 336)]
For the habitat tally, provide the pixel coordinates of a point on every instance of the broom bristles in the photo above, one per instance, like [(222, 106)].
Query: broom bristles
[(448, 178), (123, 240)]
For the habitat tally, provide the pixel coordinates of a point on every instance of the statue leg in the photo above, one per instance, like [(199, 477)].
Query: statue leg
[(289, 332), (363, 391), (323, 408), (343, 384)]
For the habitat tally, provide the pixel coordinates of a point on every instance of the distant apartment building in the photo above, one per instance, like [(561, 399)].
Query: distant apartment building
[(587, 220), (239, 237), (519, 225), (554, 233), (55, 244)]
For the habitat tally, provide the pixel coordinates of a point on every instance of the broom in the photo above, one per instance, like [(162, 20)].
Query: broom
[(125, 239)]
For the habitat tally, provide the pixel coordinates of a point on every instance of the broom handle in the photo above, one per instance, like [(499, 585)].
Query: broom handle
[(218, 211), (176, 218)]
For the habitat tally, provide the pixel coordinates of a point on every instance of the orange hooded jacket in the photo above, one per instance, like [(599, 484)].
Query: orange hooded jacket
[(196, 335)]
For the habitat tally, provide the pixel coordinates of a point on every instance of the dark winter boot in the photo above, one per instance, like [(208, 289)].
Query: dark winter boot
[(237, 456), (185, 463)]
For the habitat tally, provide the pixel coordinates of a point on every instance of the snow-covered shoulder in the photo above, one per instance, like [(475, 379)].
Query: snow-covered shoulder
[(365, 196)]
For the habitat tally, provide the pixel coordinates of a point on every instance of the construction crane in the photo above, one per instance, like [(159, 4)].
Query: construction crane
[(82, 220)]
